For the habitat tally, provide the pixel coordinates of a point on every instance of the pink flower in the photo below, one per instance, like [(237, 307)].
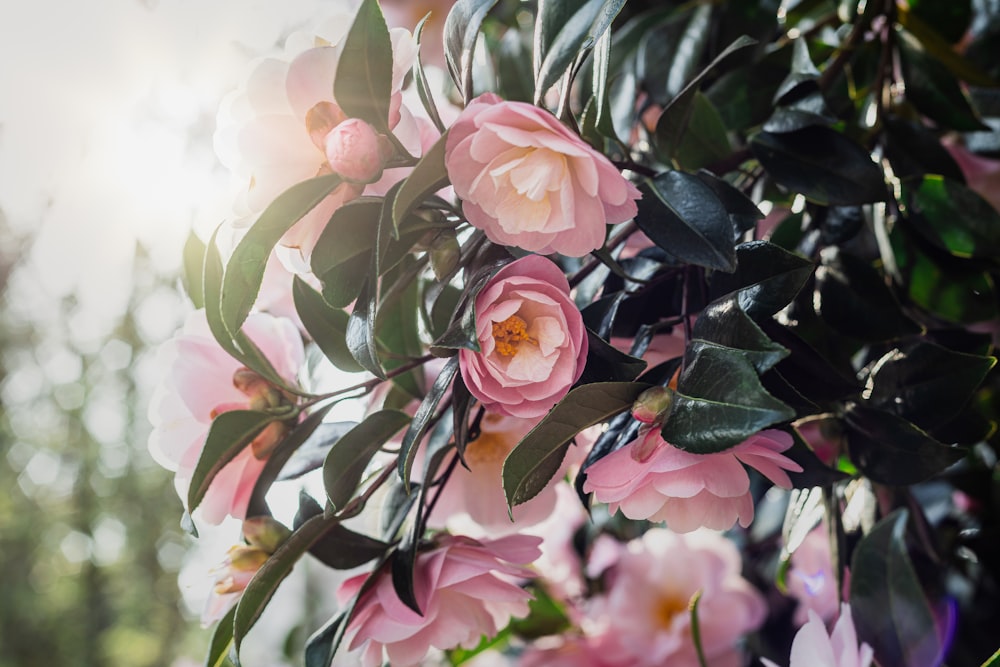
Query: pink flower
[(202, 381), (273, 132), (533, 344), (465, 589), (528, 181), (651, 479), (813, 647), (356, 151), (811, 580), (645, 617)]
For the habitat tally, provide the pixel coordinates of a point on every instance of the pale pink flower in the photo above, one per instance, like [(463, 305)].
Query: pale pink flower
[(568, 651), (528, 181), (814, 647), (356, 151), (533, 345), (201, 381), (811, 580), (651, 479), (272, 132), (645, 618), (465, 589)]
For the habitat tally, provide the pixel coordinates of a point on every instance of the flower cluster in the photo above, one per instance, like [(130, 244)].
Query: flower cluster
[(590, 388)]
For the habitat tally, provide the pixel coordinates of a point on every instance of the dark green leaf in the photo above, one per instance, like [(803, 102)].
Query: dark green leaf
[(270, 575), (397, 505), (725, 324), (685, 218), (461, 334), (322, 644), (360, 334), (705, 142), (854, 299), (539, 455), (349, 234), (933, 89), (461, 29), (420, 80), (890, 450), (608, 364), (343, 283), (347, 461), (402, 563), (327, 326), (766, 279), (822, 164), (926, 383), (422, 419), (914, 151), (310, 454), (803, 74), (344, 549), (993, 661), (229, 434), (962, 66), (363, 83), (742, 211), (194, 267), (222, 641), (398, 332), (954, 218), (720, 403), (891, 610), (246, 266), (427, 177)]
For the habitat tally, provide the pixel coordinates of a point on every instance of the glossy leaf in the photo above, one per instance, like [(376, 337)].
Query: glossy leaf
[(360, 333), (822, 164), (892, 612), (326, 325), (538, 457), (346, 463), (323, 643), (344, 549), (363, 83), (427, 177), (954, 218), (720, 403), (890, 450), (312, 452), (915, 150), (685, 218), (229, 434), (926, 383), (420, 80), (742, 211), (608, 364), (245, 268), (766, 279), (725, 324), (422, 419), (349, 234), (461, 29), (222, 641)]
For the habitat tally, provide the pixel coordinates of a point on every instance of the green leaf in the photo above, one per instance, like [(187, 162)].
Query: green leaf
[(360, 333), (398, 331), (346, 463), (363, 84), (229, 434), (420, 80), (933, 89), (705, 141), (954, 218), (725, 324), (427, 177), (685, 218), (422, 419), (891, 610), (461, 29), (914, 150), (323, 643), (852, 297), (222, 641), (932, 42), (993, 660), (926, 383), (822, 164), (720, 403), (194, 267), (344, 549), (246, 266), (212, 274), (326, 325), (265, 582), (608, 364), (538, 457), (766, 279), (890, 450), (349, 234), (562, 31)]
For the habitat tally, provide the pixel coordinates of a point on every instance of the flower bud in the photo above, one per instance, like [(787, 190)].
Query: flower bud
[(236, 571), (444, 254), (264, 533), (356, 151), (653, 405)]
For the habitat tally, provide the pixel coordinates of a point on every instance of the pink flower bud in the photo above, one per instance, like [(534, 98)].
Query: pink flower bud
[(653, 405), (356, 151), (265, 533)]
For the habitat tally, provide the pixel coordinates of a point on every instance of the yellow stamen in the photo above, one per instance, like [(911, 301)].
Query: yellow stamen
[(667, 608), (509, 334)]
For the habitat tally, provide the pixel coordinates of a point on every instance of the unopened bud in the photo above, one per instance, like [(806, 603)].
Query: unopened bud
[(268, 439), (356, 151), (653, 405), (444, 254), (264, 533)]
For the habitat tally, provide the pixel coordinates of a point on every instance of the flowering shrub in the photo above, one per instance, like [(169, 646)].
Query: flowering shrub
[(561, 313)]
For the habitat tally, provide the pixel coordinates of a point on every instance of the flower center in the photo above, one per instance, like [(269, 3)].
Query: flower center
[(509, 334), (667, 608), (487, 448)]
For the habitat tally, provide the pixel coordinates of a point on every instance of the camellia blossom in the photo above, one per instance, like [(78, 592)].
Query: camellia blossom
[(814, 647), (533, 344), (651, 479), (645, 618), (811, 579), (528, 181), (465, 589), (201, 381)]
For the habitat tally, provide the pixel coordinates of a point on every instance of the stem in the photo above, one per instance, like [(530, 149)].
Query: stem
[(696, 628), (845, 53), (616, 239), (358, 504), (368, 385)]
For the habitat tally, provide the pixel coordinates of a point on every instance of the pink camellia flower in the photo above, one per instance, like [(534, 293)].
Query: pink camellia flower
[(275, 131), (465, 589), (528, 181), (811, 580), (813, 647), (202, 381), (651, 479), (645, 618), (533, 344)]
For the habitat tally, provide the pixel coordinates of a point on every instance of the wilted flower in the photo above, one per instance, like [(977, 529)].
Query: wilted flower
[(533, 344), (813, 647), (651, 479), (201, 381), (465, 589), (528, 181)]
